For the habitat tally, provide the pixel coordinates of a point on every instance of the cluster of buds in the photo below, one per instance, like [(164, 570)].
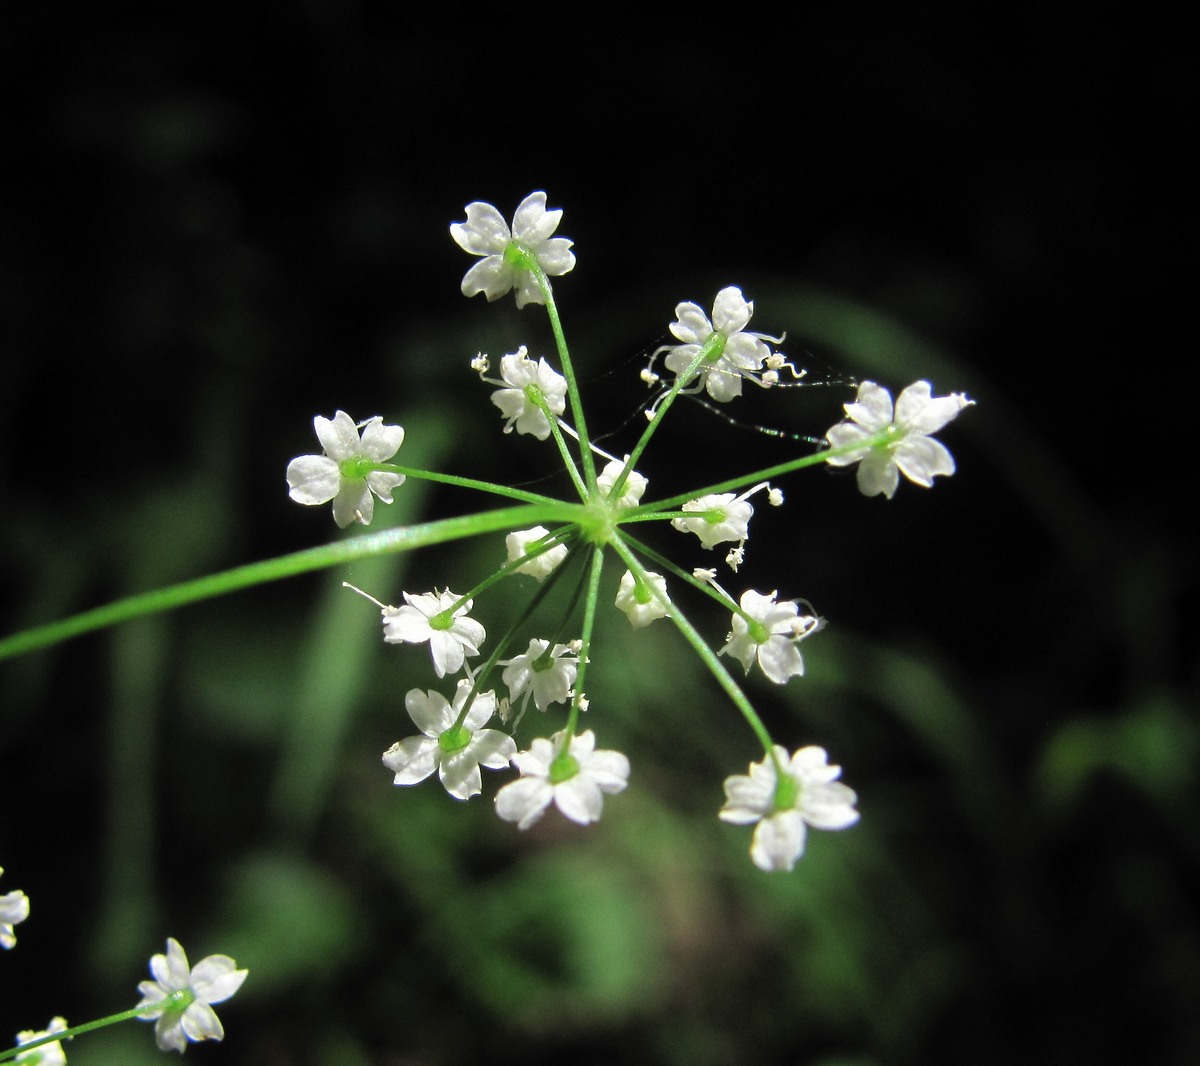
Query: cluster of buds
[(474, 725)]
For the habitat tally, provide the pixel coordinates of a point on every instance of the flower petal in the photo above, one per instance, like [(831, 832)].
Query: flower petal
[(921, 459), (412, 759), (484, 233), (731, 311), (338, 436), (524, 801), (778, 841), (313, 479)]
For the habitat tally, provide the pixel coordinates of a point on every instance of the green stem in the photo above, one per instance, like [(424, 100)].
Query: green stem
[(760, 475), (701, 648), (660, 412), (86, 1027), (564, 451), (560, 341), (484, 672), (589, 621), (405, 538), (464, 482)]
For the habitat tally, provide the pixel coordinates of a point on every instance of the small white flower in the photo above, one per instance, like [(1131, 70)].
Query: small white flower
[(575, 780), (908, 450), (716, 517), (541, 565), (51, 1054), (520, 374), (456, 754), (631, 492), (770, 636), (637, 600), (810, 795), (212, 980), (733, 352), (485, 233), (548, 673), (449, 644), (343, 473), (14, 909)]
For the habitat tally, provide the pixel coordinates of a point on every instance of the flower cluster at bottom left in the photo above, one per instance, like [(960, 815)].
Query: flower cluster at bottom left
[(179, 1001)]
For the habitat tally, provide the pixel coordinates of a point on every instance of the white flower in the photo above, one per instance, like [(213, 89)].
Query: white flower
[(343, 474), (908, 449), (51, 1054), (548, 673), (212, 980), (449, 643), (808, 794), (520, 374), (575, 780), (770, 636), (721, 517), (457, 754), (14, 909), (732, 352), (637, 600), (540, 566), (486, 233), (631, 492)]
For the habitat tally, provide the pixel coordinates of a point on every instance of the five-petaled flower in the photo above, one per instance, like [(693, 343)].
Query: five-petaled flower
[(345, 472), (14, 909), (642, 602), (731, 352), (425, 617), (181, 997), (50, 1054), (631, 492), (541, 670), (509, 254), (770, 635), (807, 794), (518, 544), (907, 447), (716, 517), (574, 779), (521, 377), (455, 752)]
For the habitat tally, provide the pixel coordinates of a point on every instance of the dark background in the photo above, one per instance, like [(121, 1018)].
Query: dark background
[(221, 222)]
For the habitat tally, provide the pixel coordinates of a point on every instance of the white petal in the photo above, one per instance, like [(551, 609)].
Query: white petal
[(493, 748), (216, 978), (339, 436), (382, 483), (877, 475), (731, 311), (722, 386), (532, 223), (484, 233), (778, 841), (555, 256), (921, 459), (873, 407), (406, 625), (313, 479), (579, 799), (843, 434), (610, 770), (447, 653), (780, 659), (200, 1022), (168, 1032), (491, 276), (380, 442), (460, 775), (412, 759), (353, 503), (692, 325), (524, 801), (430, 711), (528, 290)]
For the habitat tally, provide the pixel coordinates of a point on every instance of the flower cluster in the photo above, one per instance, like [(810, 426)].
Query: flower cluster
[(476, 726), (14, 909)]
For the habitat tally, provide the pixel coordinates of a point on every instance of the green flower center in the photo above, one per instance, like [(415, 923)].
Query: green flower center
[(454, 739), (564, 767)]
